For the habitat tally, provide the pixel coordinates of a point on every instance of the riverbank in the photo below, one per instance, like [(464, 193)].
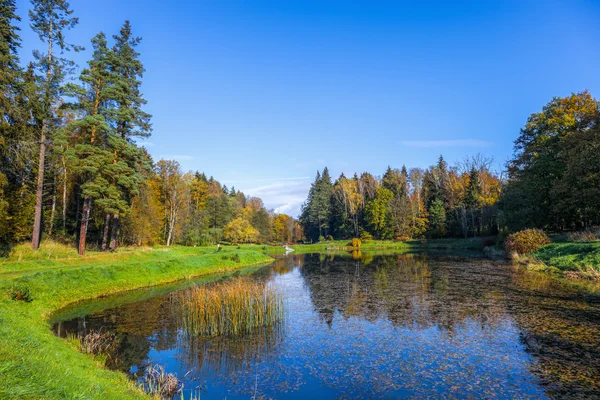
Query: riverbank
[(34, 363), (468, 244), (569, 259)]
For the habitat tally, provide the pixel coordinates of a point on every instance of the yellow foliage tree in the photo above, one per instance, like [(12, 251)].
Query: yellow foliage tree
[(239, 230)]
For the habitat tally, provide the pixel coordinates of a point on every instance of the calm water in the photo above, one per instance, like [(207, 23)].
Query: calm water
[(387, 326)]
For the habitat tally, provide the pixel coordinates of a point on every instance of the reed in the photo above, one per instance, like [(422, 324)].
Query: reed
[(234, 307)]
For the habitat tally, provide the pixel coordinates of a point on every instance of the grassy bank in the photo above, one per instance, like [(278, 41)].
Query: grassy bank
[(411, 245), (571, 259), (36, 364)]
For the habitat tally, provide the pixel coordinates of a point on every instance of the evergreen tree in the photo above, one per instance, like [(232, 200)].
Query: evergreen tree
[(127, 118), (49, 20), (473, 200)]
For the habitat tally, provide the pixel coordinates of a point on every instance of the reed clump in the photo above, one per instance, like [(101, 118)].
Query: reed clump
[(234, 307)]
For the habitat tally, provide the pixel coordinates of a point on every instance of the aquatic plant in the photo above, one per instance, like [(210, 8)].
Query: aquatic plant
[(159, 383), (232, 307), (97, 343)]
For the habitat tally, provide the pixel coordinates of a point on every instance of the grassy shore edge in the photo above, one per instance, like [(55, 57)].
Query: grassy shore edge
[(35, 364)]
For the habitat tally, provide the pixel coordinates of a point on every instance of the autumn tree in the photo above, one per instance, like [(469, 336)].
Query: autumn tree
[(173, 195), (240, 230)]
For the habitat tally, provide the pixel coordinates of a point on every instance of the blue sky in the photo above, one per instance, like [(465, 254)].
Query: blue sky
[(261, 94)]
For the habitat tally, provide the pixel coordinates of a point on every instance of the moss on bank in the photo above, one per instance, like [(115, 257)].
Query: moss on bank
[(34, 363)]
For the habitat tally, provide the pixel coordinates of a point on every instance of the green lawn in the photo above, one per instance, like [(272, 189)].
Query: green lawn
[(412, 245), (34, 363), (580, 257)]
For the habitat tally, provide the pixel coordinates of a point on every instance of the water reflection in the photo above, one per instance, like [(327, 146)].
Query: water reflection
[(380, 326)]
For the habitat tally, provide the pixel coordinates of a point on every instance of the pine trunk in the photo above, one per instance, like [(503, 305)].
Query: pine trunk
[(115, 233), (53, 209), (85, 218), (39, 194), (106, 229), (64, 197)]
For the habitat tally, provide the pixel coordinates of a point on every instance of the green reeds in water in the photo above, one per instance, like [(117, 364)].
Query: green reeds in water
[(234, 307)]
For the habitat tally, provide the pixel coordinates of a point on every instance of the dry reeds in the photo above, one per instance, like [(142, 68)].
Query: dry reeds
[(159, 383), (233, 307)]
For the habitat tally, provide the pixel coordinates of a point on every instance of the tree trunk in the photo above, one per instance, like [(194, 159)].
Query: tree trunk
[(37, 219), (114, 240), (85, 218), (39, 194), (64, 197), (53, 209), (106, 229)]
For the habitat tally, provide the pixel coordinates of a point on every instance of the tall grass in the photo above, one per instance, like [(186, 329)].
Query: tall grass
[(233, 307)]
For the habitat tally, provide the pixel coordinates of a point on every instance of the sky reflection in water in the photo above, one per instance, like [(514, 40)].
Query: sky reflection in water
[(380, 327)]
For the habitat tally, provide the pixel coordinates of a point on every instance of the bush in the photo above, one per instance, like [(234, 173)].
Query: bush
[(356, 242), (330, 238), (21, 293), (366, 237), (321, 239), (584, 236), (526, 241)]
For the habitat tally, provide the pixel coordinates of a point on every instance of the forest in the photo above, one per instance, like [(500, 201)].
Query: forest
[(70, 168), (552, 182)]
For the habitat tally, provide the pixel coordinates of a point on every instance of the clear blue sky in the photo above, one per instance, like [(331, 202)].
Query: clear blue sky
[(261, 94)]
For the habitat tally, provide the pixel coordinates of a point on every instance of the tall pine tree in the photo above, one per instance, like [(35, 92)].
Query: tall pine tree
[(49, 20)]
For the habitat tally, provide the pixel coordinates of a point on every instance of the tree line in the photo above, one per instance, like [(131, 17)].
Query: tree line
[(551, 182), (69, 164), (436, 202)]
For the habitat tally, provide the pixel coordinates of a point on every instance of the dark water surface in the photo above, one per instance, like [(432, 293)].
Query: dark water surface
[(389, 326)]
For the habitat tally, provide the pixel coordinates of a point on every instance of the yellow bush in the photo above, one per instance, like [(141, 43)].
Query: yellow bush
[(526, 241), (356, 243)]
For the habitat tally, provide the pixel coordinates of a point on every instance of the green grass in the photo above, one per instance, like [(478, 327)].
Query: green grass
[(579, 257), (34, 363), (382, 245)]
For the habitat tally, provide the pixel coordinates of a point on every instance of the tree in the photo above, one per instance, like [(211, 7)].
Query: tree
[(127, 118), (537, 193), (261, 220), (173, 194), (437, 218), (378, 215), (346, 194), (49, 20), (240, 230), (316, 211)]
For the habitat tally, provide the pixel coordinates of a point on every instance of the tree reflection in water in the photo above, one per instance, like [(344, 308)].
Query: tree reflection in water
[(395, 325)]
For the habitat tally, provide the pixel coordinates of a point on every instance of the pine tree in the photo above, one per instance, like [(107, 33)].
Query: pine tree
[(128, 118), (49, 20), (473, 200), (9, 63)]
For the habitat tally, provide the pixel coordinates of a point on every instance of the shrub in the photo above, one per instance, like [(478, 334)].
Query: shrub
[(356, 242), (330, 238), (321, 239), (366, 237), (21, 293), (584, 236), (526, 241)]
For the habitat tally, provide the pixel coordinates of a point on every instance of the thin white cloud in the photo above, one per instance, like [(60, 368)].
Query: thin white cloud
[(447, 143), (284, 197), (297, 178), (178, 157)]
